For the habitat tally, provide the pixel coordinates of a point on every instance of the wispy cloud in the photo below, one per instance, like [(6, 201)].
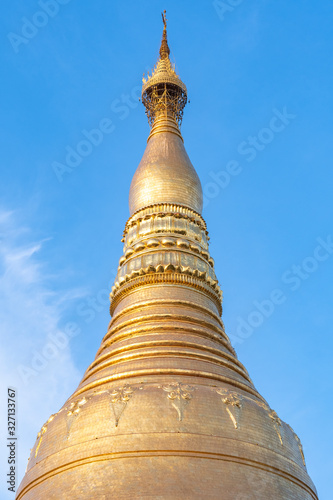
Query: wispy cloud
[(31, 310)]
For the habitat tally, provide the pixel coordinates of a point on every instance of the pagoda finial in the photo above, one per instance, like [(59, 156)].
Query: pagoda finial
[(164, 50), (164, 19), (163, 92)]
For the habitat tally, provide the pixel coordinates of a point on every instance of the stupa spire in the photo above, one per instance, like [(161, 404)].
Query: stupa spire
[(164, 50), (165, 173), (166, 410), (163, 93)]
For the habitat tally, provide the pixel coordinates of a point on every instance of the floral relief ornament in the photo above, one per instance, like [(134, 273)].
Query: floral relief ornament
[(180, 395), (233, 402), (73, 412), (41, 434), (119, 399)]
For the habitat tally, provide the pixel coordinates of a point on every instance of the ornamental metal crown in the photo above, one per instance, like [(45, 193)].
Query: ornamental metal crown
[(163, 92)]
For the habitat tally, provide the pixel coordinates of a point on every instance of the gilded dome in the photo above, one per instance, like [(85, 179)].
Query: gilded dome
[(165, 173)]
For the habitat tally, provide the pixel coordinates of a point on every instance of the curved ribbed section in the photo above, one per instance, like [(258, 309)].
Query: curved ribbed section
[(166, 410), (166, 394)]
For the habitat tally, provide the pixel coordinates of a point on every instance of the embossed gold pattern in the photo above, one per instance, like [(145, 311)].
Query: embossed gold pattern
[(166, 410), (41, 434), (180, 395), (119, 399), (73, 412), (233, 402), (277, 424), (299, 444)]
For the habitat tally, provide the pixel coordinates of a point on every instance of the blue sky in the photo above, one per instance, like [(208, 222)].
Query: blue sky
[(258, 130)]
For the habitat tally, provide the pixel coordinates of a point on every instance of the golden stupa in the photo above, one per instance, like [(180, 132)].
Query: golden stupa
[(166, 410)]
